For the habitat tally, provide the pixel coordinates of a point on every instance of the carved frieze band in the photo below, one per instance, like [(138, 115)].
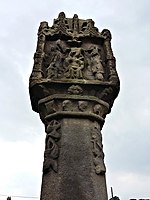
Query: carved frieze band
[(59, 106), (51, 154)]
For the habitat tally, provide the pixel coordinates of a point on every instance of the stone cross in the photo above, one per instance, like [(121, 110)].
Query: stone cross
[(73, 86)]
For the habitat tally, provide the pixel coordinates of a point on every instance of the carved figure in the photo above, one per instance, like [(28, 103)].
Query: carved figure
[(55, 68), (67, 105), (75, 25), (75, 63), (96, 62)]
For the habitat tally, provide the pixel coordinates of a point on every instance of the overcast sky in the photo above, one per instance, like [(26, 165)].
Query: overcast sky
[(126, 136)]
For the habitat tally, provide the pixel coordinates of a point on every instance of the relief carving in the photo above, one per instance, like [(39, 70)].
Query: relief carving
[(83, 105), (98, 109), (74, 63), (67, 105), (54, 60), (75, 25), (89, 29), (71, 28), (60, 25), (97, 149), (71, 54), (51, 153), (75, 89), (95, 63), (50, 107)]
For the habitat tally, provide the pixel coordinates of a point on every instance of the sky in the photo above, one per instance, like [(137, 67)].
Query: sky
[(126, 136)]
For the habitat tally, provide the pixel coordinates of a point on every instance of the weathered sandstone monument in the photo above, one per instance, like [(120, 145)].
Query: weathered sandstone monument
[(73, 86)]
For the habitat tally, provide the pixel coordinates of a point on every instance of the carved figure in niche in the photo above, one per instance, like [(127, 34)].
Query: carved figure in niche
[(67, 105), (98, 151), (55, 68), (95, 62), (52, 149), (74, 63), (83, 105)]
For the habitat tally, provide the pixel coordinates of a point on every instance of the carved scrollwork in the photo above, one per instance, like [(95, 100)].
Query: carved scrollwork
[(51, 153), (53, 129), (50, 156), (97, 149)]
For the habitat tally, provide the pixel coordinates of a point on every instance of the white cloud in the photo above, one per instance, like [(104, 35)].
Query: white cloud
[(21, 167), (133, 185)]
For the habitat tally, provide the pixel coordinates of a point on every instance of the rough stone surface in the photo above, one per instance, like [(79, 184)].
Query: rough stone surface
[(73, 86)]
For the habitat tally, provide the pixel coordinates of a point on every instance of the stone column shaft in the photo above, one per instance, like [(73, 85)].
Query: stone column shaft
[(76, 177)]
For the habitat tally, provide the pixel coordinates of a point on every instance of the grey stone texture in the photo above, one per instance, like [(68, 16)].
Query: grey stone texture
[(73, 85)]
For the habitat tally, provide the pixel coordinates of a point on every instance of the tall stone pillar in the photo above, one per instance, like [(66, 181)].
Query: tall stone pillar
[(73, 86)]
